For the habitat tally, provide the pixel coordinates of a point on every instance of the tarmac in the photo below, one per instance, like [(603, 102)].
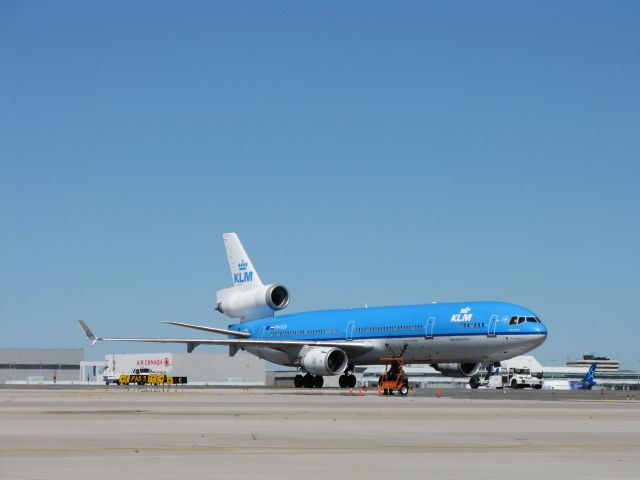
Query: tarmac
[(146, 433)]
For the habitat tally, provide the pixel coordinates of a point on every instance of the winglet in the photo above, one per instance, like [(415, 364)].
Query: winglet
[(87, 331)]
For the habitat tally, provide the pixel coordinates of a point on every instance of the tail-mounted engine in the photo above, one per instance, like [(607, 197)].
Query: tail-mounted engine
[(457, 370), (257, 302)]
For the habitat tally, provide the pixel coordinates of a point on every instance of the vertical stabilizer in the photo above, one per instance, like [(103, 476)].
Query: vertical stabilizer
[(588, 378), (243, 272)]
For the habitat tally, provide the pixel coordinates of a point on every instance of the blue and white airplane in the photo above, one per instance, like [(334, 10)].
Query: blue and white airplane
[(586, 383), (455, 338)]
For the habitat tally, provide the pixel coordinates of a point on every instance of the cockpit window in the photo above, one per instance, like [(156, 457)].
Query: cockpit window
[(519, 320)]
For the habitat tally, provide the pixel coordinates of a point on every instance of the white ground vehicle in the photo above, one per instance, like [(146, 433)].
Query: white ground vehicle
[(500, 377), (109, 377)]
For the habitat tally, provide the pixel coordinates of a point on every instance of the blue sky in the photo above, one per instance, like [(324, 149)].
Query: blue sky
[(365, 152)]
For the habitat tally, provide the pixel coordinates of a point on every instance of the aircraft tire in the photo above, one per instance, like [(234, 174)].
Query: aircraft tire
[(318, 381), (298, 381), (342, 381), (352, 381), (309, 380)]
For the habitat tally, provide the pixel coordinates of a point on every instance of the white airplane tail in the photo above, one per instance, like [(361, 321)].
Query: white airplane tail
[(243, 273), (249, 298)]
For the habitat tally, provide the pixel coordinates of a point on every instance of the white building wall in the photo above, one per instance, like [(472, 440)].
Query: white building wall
[(18, 364), (197, 367)]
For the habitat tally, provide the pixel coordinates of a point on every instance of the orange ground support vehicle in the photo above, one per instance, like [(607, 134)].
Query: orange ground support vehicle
[(394, 377)]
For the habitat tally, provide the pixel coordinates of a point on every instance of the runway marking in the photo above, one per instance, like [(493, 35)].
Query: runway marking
[(433, 414), (339, 447)]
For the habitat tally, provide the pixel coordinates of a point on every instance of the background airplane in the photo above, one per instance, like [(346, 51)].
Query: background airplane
[(453, 337), (586, 383)]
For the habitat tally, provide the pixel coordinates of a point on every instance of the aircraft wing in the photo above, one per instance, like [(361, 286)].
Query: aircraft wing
[(240, 343), (224, 331)]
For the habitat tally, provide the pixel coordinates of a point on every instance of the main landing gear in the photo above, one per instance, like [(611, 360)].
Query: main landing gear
[(347, 380), (308, 381), (317, 381)]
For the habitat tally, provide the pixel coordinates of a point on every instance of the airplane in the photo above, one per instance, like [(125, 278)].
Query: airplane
[(455, 338), (586, 383)]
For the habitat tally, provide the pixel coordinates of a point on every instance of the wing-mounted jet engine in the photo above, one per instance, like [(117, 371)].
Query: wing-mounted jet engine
[(457, 370), (249, 298), (324, 361)]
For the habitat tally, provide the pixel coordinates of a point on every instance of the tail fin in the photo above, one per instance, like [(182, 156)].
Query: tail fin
[(243, 272), (588, 378)]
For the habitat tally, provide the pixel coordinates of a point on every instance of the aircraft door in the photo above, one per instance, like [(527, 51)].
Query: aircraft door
[(493, 322), (350, 327), (428, 328)]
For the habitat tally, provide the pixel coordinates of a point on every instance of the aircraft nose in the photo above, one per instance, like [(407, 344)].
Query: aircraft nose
[(542, 328)]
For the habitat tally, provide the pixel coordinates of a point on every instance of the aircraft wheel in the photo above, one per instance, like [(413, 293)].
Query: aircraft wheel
[(308, 380), (342, 381), (352, 381), (298, 381), (404, 389), (473, 382), (318, 381)]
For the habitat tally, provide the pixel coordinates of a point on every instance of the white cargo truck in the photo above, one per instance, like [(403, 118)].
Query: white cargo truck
[(500, 377)]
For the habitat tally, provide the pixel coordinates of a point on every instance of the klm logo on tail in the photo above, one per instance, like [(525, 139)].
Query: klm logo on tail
[(243, 276)]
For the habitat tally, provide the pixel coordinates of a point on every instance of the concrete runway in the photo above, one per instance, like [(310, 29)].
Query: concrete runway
[(261, 433)]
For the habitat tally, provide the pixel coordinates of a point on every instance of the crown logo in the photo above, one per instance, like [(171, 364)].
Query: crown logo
[(465, 310), (242, 265)]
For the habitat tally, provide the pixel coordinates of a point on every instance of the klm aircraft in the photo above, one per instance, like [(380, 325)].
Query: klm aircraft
[(455, 338), (586, 383)]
